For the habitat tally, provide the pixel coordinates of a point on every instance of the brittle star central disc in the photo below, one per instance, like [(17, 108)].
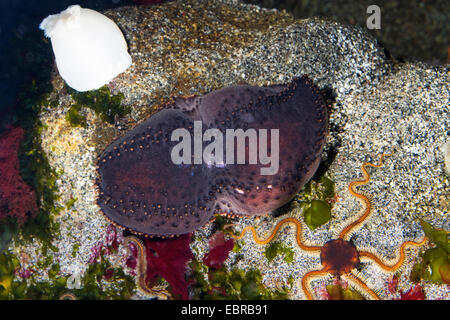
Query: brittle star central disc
[(339, 256)]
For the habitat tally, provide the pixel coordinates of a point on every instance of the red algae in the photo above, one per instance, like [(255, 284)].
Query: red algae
[(414, 293), (131, 261), (168, 258), (392, 285), (219, 248), (17, 199)]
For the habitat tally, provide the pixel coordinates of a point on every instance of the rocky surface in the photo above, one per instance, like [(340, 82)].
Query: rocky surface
[(193, 47), (412, 29)]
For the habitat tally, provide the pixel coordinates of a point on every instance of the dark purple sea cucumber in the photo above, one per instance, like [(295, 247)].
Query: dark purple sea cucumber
[(140, 188)]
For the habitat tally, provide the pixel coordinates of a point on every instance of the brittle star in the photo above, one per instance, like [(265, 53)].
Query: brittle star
[(340, 257)]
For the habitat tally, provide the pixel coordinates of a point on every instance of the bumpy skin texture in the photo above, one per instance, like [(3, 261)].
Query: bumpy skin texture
[(141, 189)]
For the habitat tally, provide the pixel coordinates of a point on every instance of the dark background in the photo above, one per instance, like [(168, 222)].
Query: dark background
[(410, 30)]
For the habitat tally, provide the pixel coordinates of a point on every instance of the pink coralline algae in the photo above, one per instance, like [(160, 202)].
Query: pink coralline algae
[(219, 249), (96, 252), (110, 245), (323, 293), (392, 285), (17, 199), (111, 238), (415, 293), (131, 261), (24, 273), (168, 259)]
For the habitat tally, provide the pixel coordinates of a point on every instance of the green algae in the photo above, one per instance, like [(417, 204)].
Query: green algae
[(438, 236), (277, 248), (35, 95), (36, 171), (337, 292), (75, 248), (100, 281), (316, 201), (74, 117), (46, 262), (107, 106), (318, 213), (9, 288), (70, 203), (220, 222), (434, 263), (234, 284), (53, 271), (238, 246), (6, 236), (92, 288)]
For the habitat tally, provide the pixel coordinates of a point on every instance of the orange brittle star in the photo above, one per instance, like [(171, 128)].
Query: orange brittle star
[(340, 257), (141, 269)]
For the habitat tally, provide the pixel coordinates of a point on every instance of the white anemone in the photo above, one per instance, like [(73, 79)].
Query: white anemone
[(89, 48)]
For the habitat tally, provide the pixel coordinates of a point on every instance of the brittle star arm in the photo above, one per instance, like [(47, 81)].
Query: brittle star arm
[(366, 201), (305, 281), (401, 259), (142, 268), (274, 232), (350, 276)]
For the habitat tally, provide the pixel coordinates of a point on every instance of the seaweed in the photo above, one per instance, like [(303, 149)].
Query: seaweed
[(338, 292), (219, 249), (34, 167), (70, 203), (93, 285), (317, 214), (316, 201), (167, 259), (105, 105), (225, 284), (278, 248), (9, 287), (434, 263), (17, 201)]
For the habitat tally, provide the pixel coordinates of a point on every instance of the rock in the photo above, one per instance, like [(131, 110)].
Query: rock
[(446, 152), (193, 47), (405, 114)]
